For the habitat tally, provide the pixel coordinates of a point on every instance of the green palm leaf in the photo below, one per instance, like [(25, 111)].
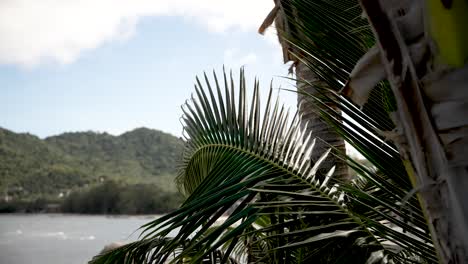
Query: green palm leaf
[(252, 165), (330, 37), (150, 249)]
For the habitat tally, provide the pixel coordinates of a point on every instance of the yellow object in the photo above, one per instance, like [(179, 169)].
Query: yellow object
[(410, 171), (449, 29)]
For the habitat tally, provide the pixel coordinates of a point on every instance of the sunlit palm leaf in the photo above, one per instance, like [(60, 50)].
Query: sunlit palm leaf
[(150, 249), (332, 57), (330, 37), (232, 162), (255, 169), (388, 189)]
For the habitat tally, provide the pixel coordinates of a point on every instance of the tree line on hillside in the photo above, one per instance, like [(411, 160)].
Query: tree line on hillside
[(35, 172)]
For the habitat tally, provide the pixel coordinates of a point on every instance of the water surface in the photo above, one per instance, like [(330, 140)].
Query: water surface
[(62, 239)]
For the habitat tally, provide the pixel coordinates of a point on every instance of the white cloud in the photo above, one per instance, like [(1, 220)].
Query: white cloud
[(32, 32)]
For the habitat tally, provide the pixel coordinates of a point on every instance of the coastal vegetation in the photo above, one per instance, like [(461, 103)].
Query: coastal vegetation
[(117, 198), (63, 172)]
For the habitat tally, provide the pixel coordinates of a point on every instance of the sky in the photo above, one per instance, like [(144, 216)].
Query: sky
[(115, 65)]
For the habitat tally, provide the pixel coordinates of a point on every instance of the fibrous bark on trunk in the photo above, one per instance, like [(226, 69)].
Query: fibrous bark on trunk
[(433, 120), (325, 135)]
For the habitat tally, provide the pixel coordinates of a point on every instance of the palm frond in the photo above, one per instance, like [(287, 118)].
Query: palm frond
[(386, 189), (332, 58), (230, 163), (143, 250), (330, 37), (255, 169)]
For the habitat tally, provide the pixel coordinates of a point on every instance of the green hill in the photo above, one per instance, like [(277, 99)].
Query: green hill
[(31, 167)]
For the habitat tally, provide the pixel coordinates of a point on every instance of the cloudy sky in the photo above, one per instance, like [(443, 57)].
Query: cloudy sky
[(114, 65)]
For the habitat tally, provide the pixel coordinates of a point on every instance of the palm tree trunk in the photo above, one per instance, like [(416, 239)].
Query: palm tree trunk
[(434, 124), (325, 135)]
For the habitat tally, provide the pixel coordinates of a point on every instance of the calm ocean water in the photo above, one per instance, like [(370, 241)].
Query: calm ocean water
[(62, 239)]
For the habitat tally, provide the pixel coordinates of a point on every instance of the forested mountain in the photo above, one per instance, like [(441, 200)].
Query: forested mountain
[(31, 167)]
